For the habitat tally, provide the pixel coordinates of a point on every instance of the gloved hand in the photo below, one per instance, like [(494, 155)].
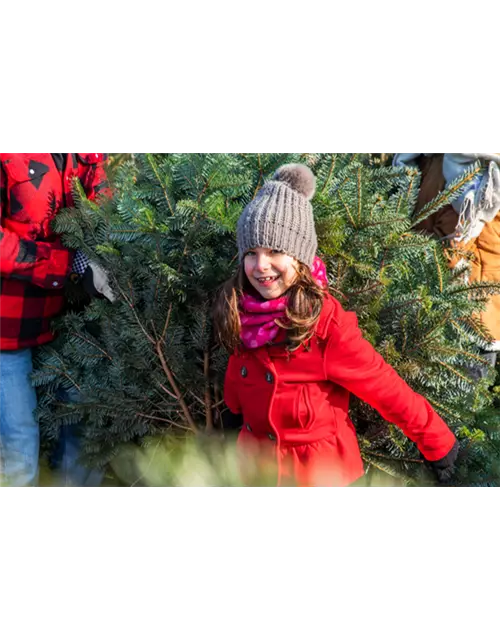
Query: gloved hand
[(231, 421), (480, 204), (489, 196), (92, 276), (95, 282), (445, 467)]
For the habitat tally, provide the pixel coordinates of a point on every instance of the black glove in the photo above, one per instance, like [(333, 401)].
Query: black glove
[(231, 421), (445, 467)]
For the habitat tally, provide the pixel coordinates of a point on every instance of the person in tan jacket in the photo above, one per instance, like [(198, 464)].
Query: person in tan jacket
[(471, 223)]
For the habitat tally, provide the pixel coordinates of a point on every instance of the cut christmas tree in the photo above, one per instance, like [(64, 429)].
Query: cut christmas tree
[(147, 366)]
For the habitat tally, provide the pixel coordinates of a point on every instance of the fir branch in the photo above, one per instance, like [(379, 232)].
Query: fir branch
[(347, 210), (448, 195), (330, 172), (208, 397), (106, 355), (393, 459), (173, 384), (455, 372), (153, 166)]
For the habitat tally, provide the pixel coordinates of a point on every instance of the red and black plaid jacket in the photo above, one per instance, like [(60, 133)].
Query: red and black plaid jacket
[(33, 263)]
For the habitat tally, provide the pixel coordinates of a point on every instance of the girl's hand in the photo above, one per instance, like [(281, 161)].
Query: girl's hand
[(445, 467)]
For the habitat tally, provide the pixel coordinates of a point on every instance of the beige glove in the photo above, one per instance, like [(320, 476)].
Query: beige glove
[(95, 282)]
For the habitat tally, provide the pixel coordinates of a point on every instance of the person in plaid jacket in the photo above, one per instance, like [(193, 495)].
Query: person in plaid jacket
[(34, 266)]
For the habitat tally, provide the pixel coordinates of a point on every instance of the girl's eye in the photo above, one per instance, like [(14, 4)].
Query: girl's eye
[(249, 253), (278, 251)]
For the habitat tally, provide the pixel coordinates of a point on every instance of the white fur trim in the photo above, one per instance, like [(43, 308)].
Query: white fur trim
[(462, 263), (494, 346)]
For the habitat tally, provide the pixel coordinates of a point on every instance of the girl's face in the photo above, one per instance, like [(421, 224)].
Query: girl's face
[(269, 271)]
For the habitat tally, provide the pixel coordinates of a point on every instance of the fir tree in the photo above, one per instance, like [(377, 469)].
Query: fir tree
[(148, 365)]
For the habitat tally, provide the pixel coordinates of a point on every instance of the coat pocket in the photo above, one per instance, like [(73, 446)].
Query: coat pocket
[(305, 410), (24, 179), (21, 167)]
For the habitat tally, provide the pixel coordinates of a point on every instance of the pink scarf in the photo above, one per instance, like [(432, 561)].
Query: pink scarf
[(258, 326)]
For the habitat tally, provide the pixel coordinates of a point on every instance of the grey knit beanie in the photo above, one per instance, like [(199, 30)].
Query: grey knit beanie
[(281, 216)]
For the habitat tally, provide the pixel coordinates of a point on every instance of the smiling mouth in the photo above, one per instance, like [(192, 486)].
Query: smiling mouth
[(267, 280)]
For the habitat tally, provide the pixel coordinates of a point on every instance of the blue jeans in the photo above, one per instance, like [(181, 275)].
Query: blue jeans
[(19, 432), (19, 435), (65, 461)]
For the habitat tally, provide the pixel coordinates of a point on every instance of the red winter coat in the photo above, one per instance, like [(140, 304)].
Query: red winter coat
[(34, 264), (295, 406)]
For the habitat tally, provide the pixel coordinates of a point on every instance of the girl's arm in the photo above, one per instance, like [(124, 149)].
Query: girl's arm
[(353, 363)]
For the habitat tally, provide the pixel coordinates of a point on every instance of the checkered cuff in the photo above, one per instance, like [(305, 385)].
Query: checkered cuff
[(80, 262)]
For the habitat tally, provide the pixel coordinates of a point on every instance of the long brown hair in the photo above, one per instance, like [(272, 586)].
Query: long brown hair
[(305, 301)]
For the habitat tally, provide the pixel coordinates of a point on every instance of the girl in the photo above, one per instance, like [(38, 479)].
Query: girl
[(296, 355)]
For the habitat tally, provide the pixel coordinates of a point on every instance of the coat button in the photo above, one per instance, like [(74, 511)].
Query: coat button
[(271, 436), (248, 427), (269, 377), (244, 372)]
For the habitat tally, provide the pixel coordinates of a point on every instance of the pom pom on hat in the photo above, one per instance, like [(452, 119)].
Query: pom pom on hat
[(298, 177)]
